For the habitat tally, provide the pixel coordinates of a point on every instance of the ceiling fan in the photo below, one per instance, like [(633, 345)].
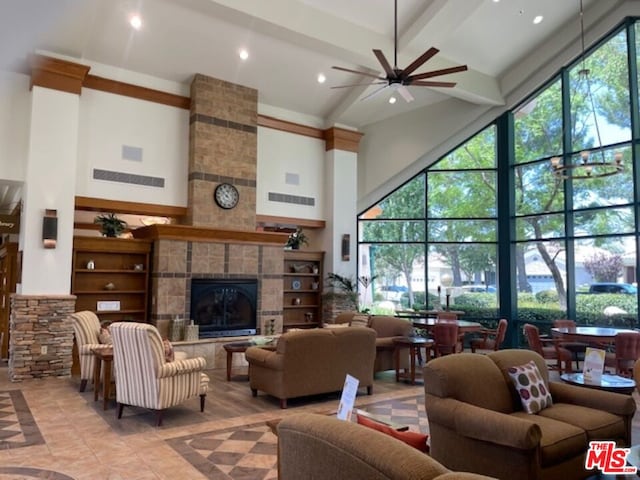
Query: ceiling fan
[(402, 78)]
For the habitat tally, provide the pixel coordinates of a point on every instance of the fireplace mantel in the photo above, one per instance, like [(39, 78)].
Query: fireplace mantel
[(203, 234)]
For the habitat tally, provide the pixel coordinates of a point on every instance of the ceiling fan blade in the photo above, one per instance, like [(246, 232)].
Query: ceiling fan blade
[(417, 63), (374, 93), (366, 74), (405, 93), (358, 84), (385, 64), (430, 83), (437, 73)]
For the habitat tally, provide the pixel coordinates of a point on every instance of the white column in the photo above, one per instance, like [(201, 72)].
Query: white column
[(341, 210), (50, 183)]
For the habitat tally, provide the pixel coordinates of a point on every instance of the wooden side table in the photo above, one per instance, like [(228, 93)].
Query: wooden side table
[(414, 344), (241, 347), (103, 355)]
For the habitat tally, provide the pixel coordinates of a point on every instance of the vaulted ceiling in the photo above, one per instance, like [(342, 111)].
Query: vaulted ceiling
[(291, 41)]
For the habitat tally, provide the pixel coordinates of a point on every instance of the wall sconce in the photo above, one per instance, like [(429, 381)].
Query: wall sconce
[(49, 229)]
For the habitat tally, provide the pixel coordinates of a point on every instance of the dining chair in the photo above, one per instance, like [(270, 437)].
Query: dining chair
[(548, 348), (491, 339), (446, 339), (446, 316), (577, 349), (626, 352)]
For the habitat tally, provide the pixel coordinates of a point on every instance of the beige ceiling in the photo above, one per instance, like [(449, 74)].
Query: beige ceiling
[(291, 41)]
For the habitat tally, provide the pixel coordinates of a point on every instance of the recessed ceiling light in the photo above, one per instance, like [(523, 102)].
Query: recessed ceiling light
[(496, 1), (392, 100), (538, 19), (321, 78), (135, 21), (243, 54)]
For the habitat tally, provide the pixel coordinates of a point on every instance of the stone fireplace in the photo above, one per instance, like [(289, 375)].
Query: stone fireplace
[(216, 244)]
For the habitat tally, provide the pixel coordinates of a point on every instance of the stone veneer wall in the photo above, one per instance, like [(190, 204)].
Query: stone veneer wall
[(176, 262), (39, 321), (223, 145)]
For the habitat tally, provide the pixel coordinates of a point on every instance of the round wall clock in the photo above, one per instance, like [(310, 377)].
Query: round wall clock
[(226, 195)]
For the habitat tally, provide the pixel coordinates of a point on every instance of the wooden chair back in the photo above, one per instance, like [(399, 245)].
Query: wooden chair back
[(445, 337)]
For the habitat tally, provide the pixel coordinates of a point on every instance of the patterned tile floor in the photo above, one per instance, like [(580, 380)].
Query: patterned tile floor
[(49, 430)]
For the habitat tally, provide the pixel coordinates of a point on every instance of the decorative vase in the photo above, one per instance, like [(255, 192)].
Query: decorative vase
[(191, 332), (177, 329)]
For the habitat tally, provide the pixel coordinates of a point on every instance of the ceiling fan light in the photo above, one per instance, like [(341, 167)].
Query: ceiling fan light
[(321, 78), (392, 100)]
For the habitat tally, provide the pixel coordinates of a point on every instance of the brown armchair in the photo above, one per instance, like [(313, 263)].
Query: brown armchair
[(319, 446), (477, 424), (548, 348)]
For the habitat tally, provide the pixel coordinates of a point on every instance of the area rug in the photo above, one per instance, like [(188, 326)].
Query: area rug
[(17, 426), (249, 451)]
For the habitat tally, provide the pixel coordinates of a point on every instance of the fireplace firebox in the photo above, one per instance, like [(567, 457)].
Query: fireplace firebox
[(224, 307)]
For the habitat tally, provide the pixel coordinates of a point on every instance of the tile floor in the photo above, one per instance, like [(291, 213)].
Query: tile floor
[(50, 430)]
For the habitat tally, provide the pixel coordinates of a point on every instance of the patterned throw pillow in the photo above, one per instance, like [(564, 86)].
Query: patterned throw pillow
[(169, 355), (531, 387), (413, 439), (360, 321), (104, 336)]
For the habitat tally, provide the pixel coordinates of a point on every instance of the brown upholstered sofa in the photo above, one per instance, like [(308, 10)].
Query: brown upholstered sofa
[(386, 328), (309, 362), (477, 423), (322, 447)]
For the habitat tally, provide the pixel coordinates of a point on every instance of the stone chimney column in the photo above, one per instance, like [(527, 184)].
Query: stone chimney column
[(222, 149)]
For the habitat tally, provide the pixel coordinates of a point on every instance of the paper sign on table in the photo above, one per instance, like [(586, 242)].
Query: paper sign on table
[(348, 397), (593, 364)]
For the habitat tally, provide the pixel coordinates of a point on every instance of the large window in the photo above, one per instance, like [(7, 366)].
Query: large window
[(555, 243)]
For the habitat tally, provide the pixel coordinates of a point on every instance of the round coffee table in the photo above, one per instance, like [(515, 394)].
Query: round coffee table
[(610, 383), (414, 344)]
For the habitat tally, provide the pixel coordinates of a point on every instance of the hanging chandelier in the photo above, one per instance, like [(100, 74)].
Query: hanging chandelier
[(592, 163)]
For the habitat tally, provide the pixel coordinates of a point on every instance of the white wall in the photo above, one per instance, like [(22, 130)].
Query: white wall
[(280, 153), (49, 184), (107, 122), (15, 99)]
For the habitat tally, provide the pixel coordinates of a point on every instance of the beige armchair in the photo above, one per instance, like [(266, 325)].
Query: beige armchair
[(319, 446), (86, 328), (145, 379), (477, 423)]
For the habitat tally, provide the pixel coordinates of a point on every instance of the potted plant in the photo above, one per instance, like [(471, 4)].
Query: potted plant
[(296, 239), (110, 225)]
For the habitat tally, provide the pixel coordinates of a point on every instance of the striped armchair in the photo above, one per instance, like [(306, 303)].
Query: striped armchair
[(86, 328), (144, 378)]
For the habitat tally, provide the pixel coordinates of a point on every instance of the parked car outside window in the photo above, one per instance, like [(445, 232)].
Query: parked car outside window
[(611, 287)]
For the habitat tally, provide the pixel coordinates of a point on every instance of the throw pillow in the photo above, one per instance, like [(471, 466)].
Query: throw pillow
[(104, 336), (360, 321), (531, 388), (169, 354), (413, 439)]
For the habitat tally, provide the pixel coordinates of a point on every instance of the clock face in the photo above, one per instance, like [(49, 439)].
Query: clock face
[(226, 195)]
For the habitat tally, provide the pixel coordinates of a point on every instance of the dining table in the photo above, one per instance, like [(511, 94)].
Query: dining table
[(464, 326), (425, 313), (590, 335)]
